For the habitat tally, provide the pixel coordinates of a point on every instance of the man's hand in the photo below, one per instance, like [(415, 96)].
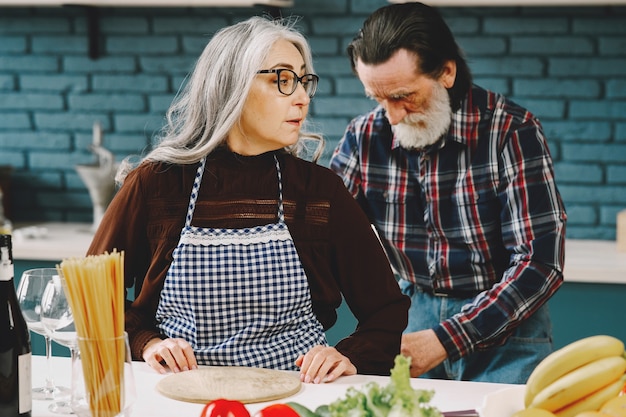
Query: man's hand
[(424, 349), (324, 364), (177, 354)]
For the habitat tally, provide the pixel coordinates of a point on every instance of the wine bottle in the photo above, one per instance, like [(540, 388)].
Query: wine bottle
[(15, 347)]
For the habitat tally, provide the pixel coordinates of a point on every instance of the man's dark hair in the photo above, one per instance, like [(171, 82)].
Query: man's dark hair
[(420, 29)]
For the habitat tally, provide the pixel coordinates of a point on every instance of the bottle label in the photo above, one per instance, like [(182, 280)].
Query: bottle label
[(25, 383)]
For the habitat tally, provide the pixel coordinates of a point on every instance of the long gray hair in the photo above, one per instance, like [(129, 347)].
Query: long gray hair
[(212, 101)]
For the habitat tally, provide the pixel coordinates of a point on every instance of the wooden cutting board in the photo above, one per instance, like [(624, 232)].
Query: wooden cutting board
[(245, 384)]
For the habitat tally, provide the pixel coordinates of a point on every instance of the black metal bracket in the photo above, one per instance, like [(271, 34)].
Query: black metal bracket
[(93, 31), (93, 28), (274, 12)]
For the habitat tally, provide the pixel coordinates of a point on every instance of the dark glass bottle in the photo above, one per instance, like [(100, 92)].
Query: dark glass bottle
[(15, 348)]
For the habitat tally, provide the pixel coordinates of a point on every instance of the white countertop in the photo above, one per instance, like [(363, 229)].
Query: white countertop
[(449, 395), (51, 241), (590, 261), (594, 261)]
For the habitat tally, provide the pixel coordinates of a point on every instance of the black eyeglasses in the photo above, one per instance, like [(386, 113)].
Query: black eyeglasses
[(287, 81)]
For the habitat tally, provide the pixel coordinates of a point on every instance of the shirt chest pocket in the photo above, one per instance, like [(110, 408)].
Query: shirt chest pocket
[(394, 209), (477, 213), (386, 196)]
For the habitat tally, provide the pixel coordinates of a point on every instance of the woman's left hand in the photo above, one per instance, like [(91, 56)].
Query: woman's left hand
[(324, 364)]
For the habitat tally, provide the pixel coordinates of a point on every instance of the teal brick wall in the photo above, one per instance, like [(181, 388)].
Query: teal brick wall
[(567, 64)]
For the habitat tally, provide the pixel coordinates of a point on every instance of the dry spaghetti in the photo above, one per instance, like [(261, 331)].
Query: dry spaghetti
[(95, 291)]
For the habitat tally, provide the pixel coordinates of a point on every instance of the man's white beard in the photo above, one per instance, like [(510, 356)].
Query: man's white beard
[(418, 130)]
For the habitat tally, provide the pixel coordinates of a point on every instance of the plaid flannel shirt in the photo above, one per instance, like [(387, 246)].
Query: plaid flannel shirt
[(477, 213)]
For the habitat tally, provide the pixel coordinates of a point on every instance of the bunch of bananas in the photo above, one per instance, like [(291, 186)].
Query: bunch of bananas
[(579, 377)]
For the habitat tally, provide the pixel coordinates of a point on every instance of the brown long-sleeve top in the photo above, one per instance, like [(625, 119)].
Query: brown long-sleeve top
[(336, 244)]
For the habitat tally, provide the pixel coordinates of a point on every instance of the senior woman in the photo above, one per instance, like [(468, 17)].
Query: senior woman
[(240, 250)]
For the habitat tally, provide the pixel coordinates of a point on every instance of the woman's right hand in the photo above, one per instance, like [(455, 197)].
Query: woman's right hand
[(177, 354)]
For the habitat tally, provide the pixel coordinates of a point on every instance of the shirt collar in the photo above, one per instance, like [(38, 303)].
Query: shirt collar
[(463, 127)]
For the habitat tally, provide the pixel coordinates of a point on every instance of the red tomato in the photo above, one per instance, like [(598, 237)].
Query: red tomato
[(277, 410), (224, 408)]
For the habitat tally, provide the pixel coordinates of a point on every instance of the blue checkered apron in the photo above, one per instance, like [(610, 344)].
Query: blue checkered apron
[(240, 297)]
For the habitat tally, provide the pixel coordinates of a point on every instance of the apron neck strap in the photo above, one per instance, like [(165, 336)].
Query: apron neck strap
[(196, 190), (281, 209)]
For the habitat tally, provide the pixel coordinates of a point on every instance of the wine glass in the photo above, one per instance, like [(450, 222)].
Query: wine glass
[(58, 321), (29, 293)]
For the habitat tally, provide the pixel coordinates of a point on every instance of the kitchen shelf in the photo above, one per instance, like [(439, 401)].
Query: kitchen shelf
[(525, 3), (147, 3), (91, 10)]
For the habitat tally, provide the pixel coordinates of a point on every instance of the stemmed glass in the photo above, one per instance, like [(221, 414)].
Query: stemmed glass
[(57, 320), (29, 293)]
